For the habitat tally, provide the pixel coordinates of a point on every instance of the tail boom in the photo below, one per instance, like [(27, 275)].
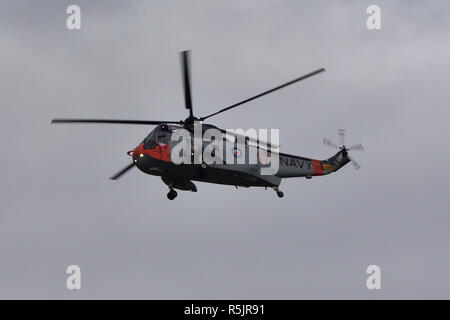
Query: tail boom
[(295, 166)]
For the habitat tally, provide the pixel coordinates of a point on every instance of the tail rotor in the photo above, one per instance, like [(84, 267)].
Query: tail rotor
[(345, 150)]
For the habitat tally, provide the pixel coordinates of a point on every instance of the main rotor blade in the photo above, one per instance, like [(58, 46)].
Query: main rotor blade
[(266, 92), (185, 69), (123, 171), (356, 147), (329, 143), (113, 121), (341, 133), (250, 140)]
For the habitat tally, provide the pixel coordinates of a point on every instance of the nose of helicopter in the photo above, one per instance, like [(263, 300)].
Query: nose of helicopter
[(137, 152)]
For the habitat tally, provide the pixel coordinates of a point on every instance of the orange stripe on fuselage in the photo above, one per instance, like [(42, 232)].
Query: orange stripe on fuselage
[(317, 167), (165, 152)]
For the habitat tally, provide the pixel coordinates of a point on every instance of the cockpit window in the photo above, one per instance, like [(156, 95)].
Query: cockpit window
[(149, 141), (159, 135)]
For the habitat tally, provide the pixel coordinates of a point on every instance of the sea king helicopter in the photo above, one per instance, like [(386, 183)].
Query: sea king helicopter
[(153, 154)]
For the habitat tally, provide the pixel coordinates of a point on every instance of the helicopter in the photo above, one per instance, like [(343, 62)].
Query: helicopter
[(153, 155)]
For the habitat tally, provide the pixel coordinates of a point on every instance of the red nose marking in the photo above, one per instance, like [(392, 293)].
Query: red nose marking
[(159, 152), (137, 151)]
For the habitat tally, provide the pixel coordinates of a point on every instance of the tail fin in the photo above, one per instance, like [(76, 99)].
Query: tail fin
[(336, 162)]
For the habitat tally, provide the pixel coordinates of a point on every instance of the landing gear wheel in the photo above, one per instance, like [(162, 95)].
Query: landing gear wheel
[(172, 194), (280, 193)]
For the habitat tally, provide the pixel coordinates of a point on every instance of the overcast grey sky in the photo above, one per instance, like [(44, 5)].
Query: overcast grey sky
[(388, 88)]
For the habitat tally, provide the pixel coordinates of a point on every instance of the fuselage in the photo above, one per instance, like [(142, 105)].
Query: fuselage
[(153, 156)]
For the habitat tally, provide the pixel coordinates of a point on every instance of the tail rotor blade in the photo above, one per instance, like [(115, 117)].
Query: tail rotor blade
[(122, 172), (355, 164), (341, 133), (356, 147), (330, 144)]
